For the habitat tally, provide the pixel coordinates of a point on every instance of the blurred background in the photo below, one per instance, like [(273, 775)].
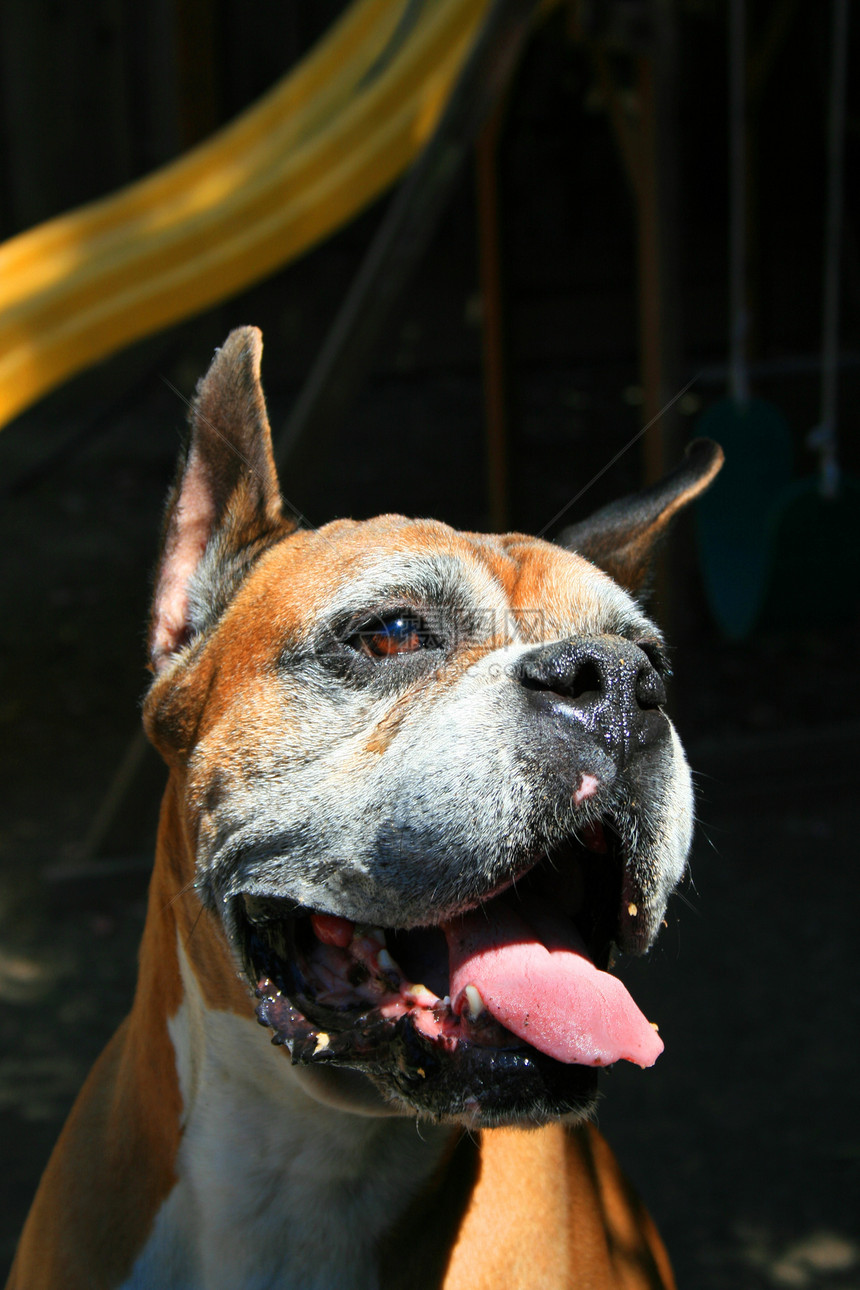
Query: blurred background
[(649, 219)]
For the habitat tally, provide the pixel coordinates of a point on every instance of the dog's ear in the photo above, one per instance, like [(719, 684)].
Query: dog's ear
[(621, 538), (225, 508)]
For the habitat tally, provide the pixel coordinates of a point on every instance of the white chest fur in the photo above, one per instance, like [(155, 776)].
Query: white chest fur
[(276, 1189)]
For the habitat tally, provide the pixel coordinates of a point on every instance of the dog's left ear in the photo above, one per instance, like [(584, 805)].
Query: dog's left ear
[(226, 504), (621, 538)]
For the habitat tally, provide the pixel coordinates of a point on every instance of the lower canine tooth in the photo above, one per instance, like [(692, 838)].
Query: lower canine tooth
[(420, 996), (474, 1003)]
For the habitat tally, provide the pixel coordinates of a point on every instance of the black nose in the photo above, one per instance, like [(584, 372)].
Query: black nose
[(609, 686)]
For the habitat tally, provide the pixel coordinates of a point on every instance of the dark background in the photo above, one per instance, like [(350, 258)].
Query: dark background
[(744, 1139)]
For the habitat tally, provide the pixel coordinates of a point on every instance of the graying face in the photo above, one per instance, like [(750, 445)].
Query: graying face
[(401, 759), (398, 729), (427, 778)]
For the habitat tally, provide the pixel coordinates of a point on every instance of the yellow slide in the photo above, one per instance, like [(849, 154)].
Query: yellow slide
[(325, 141)]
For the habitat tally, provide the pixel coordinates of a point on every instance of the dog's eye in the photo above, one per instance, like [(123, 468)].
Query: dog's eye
[(400, 634)]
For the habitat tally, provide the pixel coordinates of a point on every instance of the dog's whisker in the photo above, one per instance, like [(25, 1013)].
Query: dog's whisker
[(194, 926), (628, 445), (186, 890), (685, 900)]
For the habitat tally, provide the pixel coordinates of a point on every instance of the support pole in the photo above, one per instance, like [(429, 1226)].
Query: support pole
[(659, 251)]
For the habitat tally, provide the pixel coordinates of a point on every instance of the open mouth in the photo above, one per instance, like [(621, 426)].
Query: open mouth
[(513, 990)]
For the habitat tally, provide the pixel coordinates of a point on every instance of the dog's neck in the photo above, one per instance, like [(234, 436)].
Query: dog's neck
[(267, 1164)]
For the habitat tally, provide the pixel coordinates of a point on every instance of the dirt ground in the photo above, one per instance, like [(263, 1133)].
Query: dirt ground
[(744, 1139)]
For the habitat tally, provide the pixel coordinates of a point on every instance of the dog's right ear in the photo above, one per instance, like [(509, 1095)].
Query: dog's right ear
[(621, 539), (226, 504)]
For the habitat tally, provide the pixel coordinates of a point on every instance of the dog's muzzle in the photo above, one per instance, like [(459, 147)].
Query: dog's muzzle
[(472, 1012), (501, 1001)]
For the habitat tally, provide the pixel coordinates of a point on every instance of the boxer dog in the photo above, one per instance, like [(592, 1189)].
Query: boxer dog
[(422, 788)]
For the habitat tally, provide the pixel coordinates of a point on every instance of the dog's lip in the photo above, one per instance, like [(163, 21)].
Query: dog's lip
[(471, 1084)]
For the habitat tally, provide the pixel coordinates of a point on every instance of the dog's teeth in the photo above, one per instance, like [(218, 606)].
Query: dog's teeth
[(386, 963), (420, 996), (474, 1003)]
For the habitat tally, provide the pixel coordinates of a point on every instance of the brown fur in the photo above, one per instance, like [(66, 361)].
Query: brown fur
[(526, 1210)]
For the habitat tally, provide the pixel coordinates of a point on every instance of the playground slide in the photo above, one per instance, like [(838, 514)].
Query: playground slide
[(321, 145)]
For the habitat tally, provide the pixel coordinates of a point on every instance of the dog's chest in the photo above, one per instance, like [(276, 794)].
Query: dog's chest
[(274, 1189)]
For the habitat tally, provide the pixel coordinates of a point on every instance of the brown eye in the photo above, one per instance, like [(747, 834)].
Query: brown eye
[(392, 636)]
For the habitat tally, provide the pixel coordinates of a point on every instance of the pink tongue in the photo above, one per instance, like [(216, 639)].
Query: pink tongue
[(536, 978)]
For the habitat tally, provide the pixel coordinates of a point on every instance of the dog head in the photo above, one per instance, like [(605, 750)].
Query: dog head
[(428, 782)]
